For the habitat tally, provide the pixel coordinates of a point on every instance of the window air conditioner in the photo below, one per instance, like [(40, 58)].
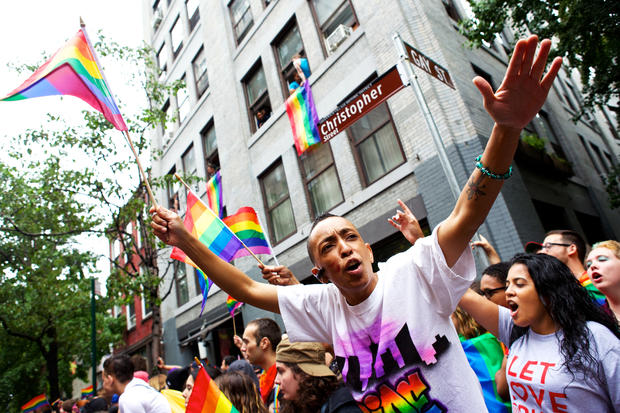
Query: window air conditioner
[(157, 19), (337, 37)]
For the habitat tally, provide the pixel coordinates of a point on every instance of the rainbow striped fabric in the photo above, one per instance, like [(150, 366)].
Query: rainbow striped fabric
[(244, 223), (206, 397), (35, 403), (72, 70), (304, 120), (87, 391), (215, 201), (232, 305)]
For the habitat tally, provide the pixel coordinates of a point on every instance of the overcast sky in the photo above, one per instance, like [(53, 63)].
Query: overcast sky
[(29, 29)]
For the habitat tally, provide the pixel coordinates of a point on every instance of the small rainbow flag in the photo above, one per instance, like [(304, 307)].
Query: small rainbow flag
[(35, 403), (244, 223), (586, 283), (232, 305), (302, 115), (72, 70), (206, 397), (88, 391), (215, 201)]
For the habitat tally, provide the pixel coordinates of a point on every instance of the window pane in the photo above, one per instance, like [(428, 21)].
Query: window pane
[(316, 160), (192, 13), (275, 185), (189, 161), (182, 291), (325, 191), (242, 17), (289, 46), (380, 153), (282, 220), (200, 72), (325, 8), (176, 35), (344, 16), (369, 123), (256, 85), (209, 142), (183, 103)]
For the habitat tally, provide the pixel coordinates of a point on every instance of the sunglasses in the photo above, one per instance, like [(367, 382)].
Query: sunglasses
[(491, 292)]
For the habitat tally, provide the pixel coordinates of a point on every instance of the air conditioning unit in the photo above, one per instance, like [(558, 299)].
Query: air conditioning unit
[(337, 37), (157, 19)]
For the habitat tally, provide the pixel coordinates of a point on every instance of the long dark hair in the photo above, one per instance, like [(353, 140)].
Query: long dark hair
[(312, 394), (570, 307), (241, 391)]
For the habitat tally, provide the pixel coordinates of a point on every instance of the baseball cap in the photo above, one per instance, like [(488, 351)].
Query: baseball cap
[(533, 247), (309, 356)]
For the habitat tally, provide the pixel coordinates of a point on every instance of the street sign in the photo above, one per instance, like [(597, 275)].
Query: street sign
[(428, 65), (361, 104)]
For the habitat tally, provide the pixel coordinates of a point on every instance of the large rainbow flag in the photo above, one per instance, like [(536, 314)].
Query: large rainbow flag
[(215, 200), (87, 391), (244, 223), (232, 305), (304, 120), (35, 403), (206, 397), (72, 70)]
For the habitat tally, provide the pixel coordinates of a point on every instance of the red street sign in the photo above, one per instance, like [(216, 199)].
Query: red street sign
[(428, 65), (361, 104)]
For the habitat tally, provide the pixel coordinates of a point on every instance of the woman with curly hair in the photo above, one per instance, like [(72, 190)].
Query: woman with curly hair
[(603, 266), (564, 349), (306, 384)]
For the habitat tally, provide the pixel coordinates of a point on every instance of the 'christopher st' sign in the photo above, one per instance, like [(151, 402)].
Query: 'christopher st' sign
[(359, 105), (429, 66)]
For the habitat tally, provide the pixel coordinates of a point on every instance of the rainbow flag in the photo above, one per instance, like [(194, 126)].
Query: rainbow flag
[(232, 305), (88, 392), (586, 283), (215, 201), (206, 397), (244, 223), (304, 120), (35, 403), (72, 70)]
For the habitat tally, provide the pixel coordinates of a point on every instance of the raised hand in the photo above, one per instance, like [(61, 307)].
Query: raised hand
[(167, 226), (406, 222), (488, 249), (524, 89), (278, 275)]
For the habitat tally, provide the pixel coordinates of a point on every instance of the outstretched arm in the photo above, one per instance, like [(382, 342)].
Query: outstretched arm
[(485, 312), (488, 249), (168, 227), (518, 99), (407, 223)]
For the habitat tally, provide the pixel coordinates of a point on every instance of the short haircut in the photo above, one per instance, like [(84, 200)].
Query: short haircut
[(119, 366), (498, 271), (571, 237), (139, 362), (266, 327), (229, 359), (318, 219), (613, 246)]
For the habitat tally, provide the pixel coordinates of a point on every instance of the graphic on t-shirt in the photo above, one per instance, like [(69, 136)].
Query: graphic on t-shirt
[(379, 375)]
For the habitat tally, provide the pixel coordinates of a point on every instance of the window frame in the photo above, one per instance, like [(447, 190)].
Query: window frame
[(239, 39), (182, 104), (260, 101), (278, 162), (175, 53), (191, 23), (284, 71), (128, 316), (212, 156), (319, 29), (177, 266), (205, 73), (172, 191)]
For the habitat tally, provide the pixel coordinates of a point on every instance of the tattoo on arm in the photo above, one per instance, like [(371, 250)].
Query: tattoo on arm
[(474, 189)]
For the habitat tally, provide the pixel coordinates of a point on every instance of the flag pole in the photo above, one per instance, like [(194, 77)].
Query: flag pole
[(234, 326), (133, 149), (273, 254), (176, 175)]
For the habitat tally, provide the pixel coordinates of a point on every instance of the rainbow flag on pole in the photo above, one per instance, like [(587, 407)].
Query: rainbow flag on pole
[(247, 228), (304, 120), (215, 200), (232, 305), (35, 403), (72, 70), (206, 397), (88, 392)]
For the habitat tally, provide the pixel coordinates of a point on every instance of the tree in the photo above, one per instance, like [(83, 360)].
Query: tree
[(587, 34)]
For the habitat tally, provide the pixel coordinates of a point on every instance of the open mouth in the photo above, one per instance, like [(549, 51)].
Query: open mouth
[(353, 265), (596, 277), (513, 307)]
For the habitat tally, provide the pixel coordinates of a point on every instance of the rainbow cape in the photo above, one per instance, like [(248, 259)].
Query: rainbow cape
[(211, 231), (244, 223), (232, 305), (206, 397), (304, 120), (72, 70), (88, 391), (35, 403), (215, 200), (485, 354)]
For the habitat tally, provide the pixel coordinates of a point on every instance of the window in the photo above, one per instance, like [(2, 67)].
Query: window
[(259, 106), (565, 95), (173, 191), (116, 248), (484, 75), (588, 149), (199, 64), (241, 17), (162, 55), (182, 102), (209, 146), (277, 203), (599, 156), (377, 147), (321, 179), (158, 14), (193, 14), (189, 165), (131, 314), (118, 311), (547, 132), (332, 13), (180, 276), (176, 35), (147, 310), (166, 113), (451, 9), (287, 45)]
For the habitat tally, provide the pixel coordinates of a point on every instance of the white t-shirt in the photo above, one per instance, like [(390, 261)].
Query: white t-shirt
[(538, 381), (398, 348), (139, 397)]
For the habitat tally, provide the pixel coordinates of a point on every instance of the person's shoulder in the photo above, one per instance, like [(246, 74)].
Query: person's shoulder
[(601, 332)]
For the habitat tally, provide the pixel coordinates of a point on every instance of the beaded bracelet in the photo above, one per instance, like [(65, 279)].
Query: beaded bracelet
[(490, 174)]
